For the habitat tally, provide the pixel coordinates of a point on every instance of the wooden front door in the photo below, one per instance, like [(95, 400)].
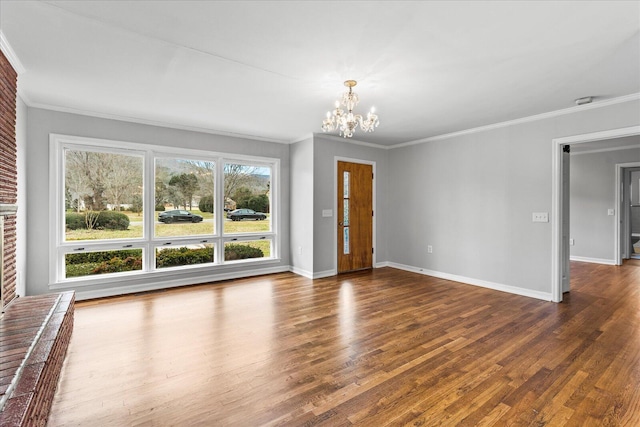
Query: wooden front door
[(355, 216)]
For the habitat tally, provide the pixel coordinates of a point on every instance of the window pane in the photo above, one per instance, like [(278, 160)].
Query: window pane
[(345, 184), (184, 255), (103, 195), (345, 242), (234, 251), (102, 262), (345, 213), (247, 198), (184, 197)]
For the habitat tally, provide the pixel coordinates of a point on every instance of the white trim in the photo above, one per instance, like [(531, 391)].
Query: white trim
[(382, 264), (337, 159), (301, 272), (618, 201), (350, 141), (603, 150), (8, 51), (556, 197), (122, 290), (325, 273), (543, 116), (311, 275), (545, 296), (593, 260)]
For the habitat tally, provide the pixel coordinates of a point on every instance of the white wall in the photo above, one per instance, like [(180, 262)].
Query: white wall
[(592, 193), (40, 123), (21, 220), (301, 211), (472, 196)]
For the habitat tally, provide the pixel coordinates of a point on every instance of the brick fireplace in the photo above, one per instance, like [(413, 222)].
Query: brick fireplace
[(8, 180)]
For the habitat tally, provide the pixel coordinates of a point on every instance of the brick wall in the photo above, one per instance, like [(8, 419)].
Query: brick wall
[(8, 171)]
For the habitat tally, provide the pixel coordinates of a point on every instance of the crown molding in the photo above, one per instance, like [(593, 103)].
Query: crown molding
[(351, 141), (147, 122), (5, 47), (550, 114)]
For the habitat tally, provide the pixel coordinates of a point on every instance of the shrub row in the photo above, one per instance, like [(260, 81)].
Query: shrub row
[(115, 265), (183, 256), (103, 256), (131, 259), (234, 251), (106, 220)]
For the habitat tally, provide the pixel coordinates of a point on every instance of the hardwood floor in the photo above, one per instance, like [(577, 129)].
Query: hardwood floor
[(371, 348)]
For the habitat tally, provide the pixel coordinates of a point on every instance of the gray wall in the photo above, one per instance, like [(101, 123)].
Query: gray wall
[(472, 196), (324, 183), (21, 220), (301, 210), (40, 123), (593, 192)]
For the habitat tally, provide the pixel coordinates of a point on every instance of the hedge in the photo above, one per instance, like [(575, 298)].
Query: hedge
[(87, 263), (102, 256), (115, 265), (107, 220), (234, 251), (183, 256)]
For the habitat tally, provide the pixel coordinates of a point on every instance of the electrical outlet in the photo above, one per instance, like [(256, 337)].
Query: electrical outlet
[(540, 217), (430, 249), (299, 250), (572, 242)]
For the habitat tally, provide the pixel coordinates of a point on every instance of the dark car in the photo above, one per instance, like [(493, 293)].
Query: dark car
[(240, 214), (178, 215)]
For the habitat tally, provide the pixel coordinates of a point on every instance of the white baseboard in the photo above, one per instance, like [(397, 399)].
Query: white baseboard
[(326, 273), (301, 272), (593, 260), (546, 296), (382, 264), (311, 275), (165, 284)]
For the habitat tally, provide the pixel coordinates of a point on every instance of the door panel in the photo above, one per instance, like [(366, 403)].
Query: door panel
[(355, 216)]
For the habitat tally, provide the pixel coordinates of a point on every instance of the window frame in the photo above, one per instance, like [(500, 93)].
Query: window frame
[(58, 246)]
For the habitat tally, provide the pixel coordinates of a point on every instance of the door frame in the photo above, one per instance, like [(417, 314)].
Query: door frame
[(337, 159), (557, 255), (620, 181)]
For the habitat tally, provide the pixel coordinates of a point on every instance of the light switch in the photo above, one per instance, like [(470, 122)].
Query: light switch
[(327, 212), (611, 212)]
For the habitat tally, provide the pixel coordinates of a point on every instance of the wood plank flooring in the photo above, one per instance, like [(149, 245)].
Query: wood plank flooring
[(371, 348)]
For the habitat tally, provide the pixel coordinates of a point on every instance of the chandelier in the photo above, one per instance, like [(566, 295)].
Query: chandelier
[(348, 122)]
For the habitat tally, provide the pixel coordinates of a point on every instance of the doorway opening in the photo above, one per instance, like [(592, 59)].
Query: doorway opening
[(559, 204), (628, 175)]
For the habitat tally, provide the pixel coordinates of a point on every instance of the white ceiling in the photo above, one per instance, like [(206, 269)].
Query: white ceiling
[(271, 69)]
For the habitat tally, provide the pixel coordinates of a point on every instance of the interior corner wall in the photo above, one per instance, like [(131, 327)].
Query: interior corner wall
[(41, 123), (471, 198), (325, 151), (592, 193), (21, 219), (302, 208)]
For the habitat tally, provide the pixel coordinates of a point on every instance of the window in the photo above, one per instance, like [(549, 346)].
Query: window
[(126, 209)]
